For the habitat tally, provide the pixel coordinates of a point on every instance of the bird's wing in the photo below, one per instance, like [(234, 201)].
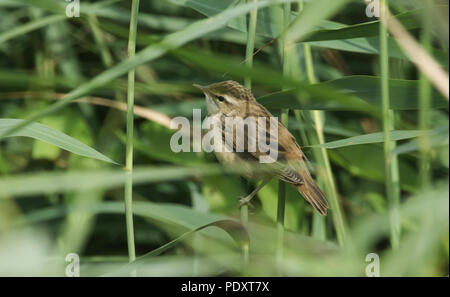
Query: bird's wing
[(277, 148)]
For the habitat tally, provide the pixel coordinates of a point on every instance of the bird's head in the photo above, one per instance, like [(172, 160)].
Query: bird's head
[(227, 97)]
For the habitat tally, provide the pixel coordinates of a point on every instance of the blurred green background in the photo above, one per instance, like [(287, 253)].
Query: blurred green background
[(327, 68)]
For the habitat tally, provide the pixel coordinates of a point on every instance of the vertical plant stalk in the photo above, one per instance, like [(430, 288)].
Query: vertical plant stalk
[(250, 43), (281, 205), (248, 83), (129, 139), (424, 102), (325, 173), (391, 161), (318, 224)]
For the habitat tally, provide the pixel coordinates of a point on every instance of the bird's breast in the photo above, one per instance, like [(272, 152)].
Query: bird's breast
[(224, 153)]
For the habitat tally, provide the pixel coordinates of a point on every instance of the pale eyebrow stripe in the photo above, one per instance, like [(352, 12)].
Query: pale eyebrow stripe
[(230, 99)]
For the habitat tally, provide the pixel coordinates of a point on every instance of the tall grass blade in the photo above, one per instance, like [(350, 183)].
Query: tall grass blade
[(391, 161), (31, 26), (281, 203), (409, 19), (130, 127), (248, 83), (52, 136), (425, 95), (377, 137), (323, 160), (312, 14)]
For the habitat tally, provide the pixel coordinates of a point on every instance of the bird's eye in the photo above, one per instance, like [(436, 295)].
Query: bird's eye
[(220, 98)]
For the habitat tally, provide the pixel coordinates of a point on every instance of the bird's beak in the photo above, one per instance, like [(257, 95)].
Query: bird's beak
[(199, 87), (205, 90)]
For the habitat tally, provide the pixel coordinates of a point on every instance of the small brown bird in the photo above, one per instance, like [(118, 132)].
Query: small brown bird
[(230, 100)]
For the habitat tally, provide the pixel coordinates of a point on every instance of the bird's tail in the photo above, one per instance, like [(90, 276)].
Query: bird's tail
[(313, 194)]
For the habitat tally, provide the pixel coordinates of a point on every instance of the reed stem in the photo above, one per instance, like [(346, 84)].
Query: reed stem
[(424, 103), (248, 83), (250, 43), (281, 205), (129, 137), (391, 161), (324, 171)]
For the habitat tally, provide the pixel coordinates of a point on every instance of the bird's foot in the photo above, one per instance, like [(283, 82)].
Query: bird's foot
[(245, 201)]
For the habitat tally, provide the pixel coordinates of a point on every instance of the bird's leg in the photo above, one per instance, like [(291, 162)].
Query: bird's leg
[(246, 200)]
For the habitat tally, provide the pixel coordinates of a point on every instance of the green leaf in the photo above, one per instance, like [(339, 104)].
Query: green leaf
[(404, 94), (30, 26), (50, 5), (313, 13), (409, 19), (49, 135), (45, 150), (372, 138), (367, 161), (437, 138), (371, 46), (233, 228)]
